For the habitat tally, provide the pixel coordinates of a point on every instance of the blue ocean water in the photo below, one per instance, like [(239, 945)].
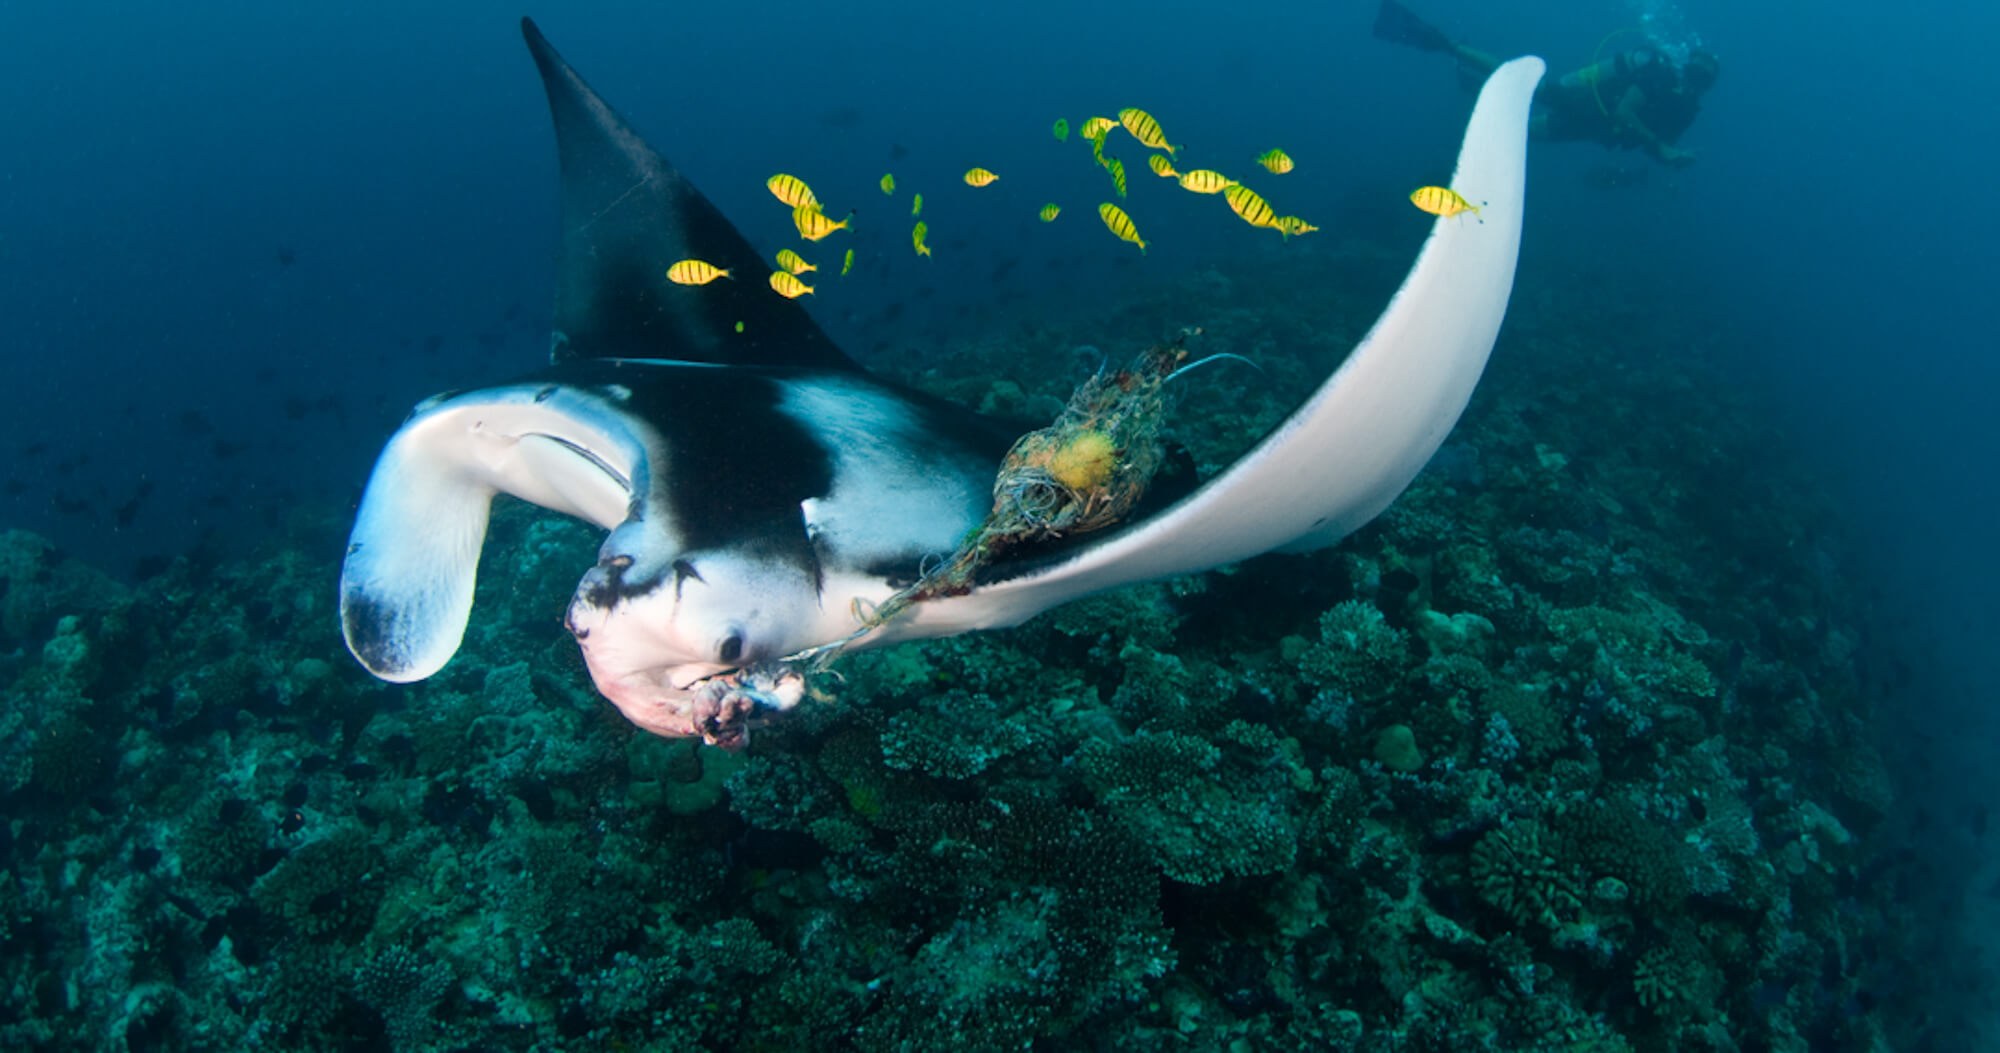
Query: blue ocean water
[(239, 241)]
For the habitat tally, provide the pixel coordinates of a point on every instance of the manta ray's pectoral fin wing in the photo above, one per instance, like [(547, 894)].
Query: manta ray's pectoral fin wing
[(627, 216), (413, 558), (1343, 456)]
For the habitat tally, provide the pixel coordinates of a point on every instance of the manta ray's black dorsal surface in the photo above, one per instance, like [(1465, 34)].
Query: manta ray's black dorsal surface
[(628, 215)]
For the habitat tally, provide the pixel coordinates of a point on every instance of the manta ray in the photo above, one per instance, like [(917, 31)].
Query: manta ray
[(760, 489)]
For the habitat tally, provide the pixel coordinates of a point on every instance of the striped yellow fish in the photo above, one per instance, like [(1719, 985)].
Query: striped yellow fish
[(813, 224), (1061, 129), (889, 183), (1147, 130), (847, 263), (794, 263), (1117, 170), (1441, 201), (1161, 166), (1097, 151), (792, 190), (789, 286), (917, 237), (1290, 225), (1050, 211), (1276, 162), (917, 205), (1097, 127), (1206, 181), (694, 272), (1120, 224), (979, 177), (1247, 204)]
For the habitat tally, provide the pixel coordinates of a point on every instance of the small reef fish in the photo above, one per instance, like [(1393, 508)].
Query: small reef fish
[(794, 263), (1441, 201), (1276, 162), (1147, 130), (1097, 151), (917, 205), (1062, 129), (1120, 224), (813, 224), (979, 177), (1247, 204), (1050, 211), (1117, 170), (1206, 181), (917, 237), (1098, 127), (1161, 166), (1290, 225), (889, 183), (694, 272), (792, 190), (847, 263), (788, 285)]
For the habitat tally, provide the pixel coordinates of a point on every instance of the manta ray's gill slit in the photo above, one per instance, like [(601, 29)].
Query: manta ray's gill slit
[(602, 465)]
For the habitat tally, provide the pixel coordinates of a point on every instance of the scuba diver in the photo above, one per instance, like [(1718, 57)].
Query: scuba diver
[(1637, 98)]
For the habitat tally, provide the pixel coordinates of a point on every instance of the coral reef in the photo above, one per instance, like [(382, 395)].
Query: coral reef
[(1567, 752)]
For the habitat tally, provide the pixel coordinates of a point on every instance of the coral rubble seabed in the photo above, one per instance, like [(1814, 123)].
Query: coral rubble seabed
[(1568, 751)]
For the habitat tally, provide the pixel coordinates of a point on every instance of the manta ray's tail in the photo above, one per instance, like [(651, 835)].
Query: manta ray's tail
[(1400, 25)]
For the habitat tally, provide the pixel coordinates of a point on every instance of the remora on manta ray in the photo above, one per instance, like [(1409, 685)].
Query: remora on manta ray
[(760, 487)]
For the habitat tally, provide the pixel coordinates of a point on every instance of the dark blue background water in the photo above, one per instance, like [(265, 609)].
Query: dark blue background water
[(162, 163)]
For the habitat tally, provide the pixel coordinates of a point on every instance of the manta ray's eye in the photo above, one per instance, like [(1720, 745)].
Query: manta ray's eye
[(731, 648)]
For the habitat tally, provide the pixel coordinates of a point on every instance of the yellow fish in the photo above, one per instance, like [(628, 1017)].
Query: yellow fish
[(1276, 162), (917, 238), (917, 205), (1147, 130), (1062, 129), (1097, 151), (1117, 170), (1247, 204), (792, 190), (979, 177), (847, 263), (1206, 181), (1290, 225), (788, 285), (1442, 201), (694, 272), (1161, 166), (1097, 127), (813, 224), (794, 263), (1050, 211), (1120, 224), (889, 183)]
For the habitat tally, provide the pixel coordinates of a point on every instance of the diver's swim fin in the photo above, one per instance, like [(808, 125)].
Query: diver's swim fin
[(1396, 23)]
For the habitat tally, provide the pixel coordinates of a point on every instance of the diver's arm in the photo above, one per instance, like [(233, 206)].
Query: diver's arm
[(1625, 120)]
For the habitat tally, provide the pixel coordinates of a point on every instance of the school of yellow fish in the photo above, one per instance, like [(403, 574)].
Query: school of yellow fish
[(813, 224)]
